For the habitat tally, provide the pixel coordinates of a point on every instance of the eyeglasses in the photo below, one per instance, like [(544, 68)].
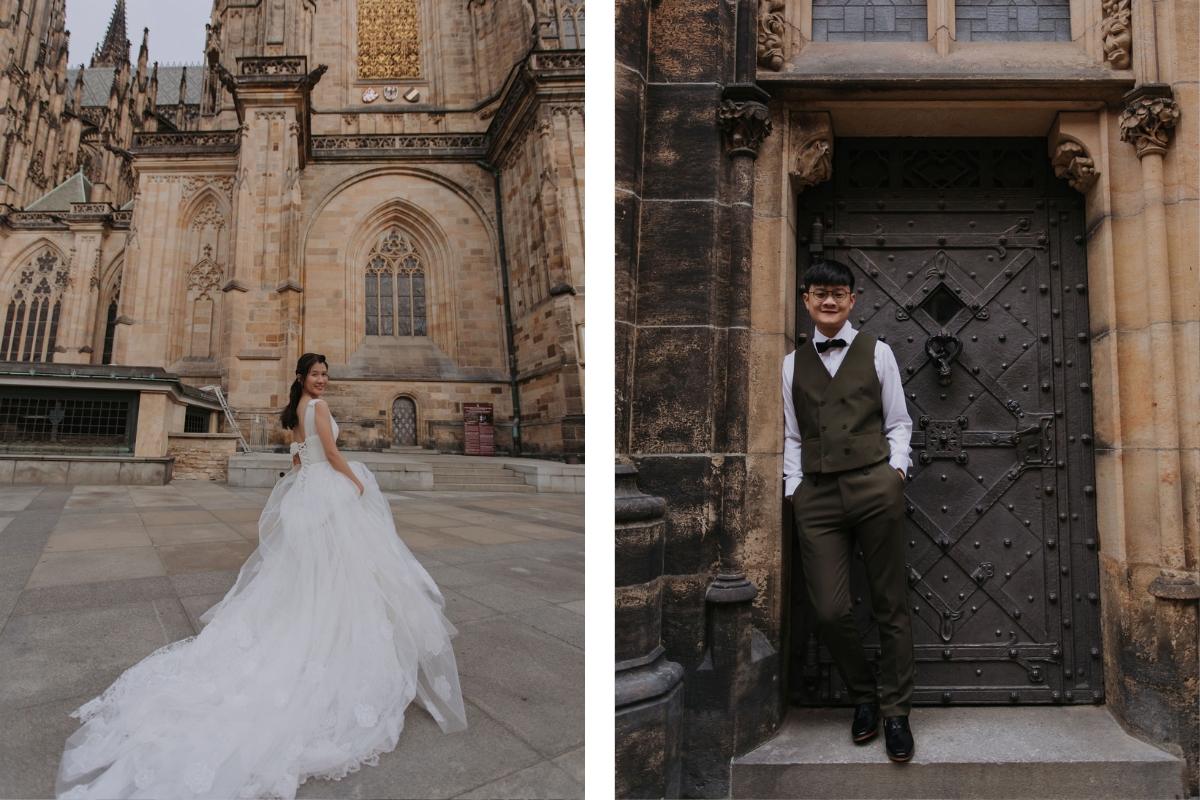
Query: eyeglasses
[(840, 295)]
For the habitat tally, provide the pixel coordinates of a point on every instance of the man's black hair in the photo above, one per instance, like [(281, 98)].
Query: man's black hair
[(828, 272)]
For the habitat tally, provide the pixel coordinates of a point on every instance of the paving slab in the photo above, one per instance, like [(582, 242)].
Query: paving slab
[(209, 582), (192, 533), (497, 661), (32, 744), (572, 763), (90, 566), (460, 609), (429, 763), (74, 597), (181, 558), (104, 538), (500, 598), (557, 622), (547, 581), (544, 780), (196, 604), (50, 656), (972, 753)]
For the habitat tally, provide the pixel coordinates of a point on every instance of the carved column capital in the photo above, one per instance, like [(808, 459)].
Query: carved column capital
[(1072, 162), (1147, 122), (1116, 33), (810, 154), (745, 125), (770, 34)]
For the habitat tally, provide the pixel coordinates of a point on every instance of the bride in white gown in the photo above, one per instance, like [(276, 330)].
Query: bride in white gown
[(307, 664)]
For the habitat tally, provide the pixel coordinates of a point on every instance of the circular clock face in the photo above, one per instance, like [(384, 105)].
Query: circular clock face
[(370, 95)]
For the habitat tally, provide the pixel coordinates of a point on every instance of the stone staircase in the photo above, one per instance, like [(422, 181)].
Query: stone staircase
[(477, 477), (981, 752)]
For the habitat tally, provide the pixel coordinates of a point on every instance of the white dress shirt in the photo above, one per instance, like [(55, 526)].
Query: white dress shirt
[(897, 425)]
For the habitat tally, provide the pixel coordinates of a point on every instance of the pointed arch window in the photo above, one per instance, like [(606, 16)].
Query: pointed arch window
[(571, 14), (395, 288), (110, 323), (31, 323)]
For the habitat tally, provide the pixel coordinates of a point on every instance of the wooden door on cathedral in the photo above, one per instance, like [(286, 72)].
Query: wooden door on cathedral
[(404, 422), (970, 264)]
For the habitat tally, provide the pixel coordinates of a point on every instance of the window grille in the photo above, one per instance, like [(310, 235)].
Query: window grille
[(395, 288), (195, 420), (65, 421), (1012, 21), (31, 323)]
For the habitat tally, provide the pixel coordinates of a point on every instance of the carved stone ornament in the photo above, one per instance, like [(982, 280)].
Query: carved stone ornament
[(1116, 33), (814, 163), (770, 34), (1146, 124), (370, 95), (745, 125), (1072, 162)]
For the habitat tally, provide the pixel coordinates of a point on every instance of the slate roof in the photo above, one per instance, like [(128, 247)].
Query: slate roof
[(75, 189), (97, 83)]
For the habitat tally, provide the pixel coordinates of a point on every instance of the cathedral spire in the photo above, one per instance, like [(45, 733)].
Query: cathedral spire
[(114, 50)]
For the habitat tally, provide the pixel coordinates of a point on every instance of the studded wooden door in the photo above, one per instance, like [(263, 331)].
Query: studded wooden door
[(969, 261), (404, 422)]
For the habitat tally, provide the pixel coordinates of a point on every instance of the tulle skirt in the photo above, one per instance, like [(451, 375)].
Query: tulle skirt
[(305, 668)]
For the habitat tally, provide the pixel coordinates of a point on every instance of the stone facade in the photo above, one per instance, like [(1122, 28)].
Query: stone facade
[(201, 456), (706, 307), (423, 229)]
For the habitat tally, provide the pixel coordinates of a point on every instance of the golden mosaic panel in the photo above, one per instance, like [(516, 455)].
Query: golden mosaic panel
[(388, 39)]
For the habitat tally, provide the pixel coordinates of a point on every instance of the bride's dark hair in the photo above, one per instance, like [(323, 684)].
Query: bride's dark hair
[(289, 418)]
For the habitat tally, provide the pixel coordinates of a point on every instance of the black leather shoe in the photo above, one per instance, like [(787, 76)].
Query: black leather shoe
[(866, 721), (899, 739)]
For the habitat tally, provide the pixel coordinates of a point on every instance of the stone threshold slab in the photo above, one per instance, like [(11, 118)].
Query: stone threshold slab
[(970, 753)]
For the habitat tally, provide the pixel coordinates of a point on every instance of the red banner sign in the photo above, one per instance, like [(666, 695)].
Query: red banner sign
[(479, 432)]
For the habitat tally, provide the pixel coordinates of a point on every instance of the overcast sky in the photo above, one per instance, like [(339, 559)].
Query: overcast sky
[(176, 28)]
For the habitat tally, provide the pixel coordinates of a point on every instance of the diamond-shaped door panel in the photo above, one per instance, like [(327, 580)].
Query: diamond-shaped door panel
[(927, 395)]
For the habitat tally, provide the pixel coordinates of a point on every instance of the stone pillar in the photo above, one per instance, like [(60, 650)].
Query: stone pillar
[(261, 305), (79, 303), (151, 438), (649, 688), (1146, 124)]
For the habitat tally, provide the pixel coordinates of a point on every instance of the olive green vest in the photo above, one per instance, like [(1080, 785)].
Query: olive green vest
[(840, 417)]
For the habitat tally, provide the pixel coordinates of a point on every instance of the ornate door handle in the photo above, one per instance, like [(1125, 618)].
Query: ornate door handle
[(943, 349)]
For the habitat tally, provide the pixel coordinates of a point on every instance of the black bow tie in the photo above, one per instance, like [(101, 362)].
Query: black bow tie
[(828, 343)]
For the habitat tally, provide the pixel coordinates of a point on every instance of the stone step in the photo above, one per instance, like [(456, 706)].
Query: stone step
[(501, 478), (467, 466), (459, 471), (483, 487), (970, 753)]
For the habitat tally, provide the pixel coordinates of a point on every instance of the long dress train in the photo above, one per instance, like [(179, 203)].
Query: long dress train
[(305, 668)]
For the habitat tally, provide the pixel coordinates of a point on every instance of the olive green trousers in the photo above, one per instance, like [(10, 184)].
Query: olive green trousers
[(832, 512)]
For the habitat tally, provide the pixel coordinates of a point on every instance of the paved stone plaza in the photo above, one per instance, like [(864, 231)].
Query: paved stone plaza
[(94, 578)]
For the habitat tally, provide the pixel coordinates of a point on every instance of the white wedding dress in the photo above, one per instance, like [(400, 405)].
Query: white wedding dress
[(305, 668)]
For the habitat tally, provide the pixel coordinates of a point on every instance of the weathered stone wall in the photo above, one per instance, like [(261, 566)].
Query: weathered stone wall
[(200, 456), (541, 183)]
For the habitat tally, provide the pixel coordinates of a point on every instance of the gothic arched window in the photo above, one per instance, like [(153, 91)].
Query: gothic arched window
[(395, 288), (110, 323), (31, 325), (571, 13)]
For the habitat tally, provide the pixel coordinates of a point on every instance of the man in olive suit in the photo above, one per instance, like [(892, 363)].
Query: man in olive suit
[(845, 456)]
